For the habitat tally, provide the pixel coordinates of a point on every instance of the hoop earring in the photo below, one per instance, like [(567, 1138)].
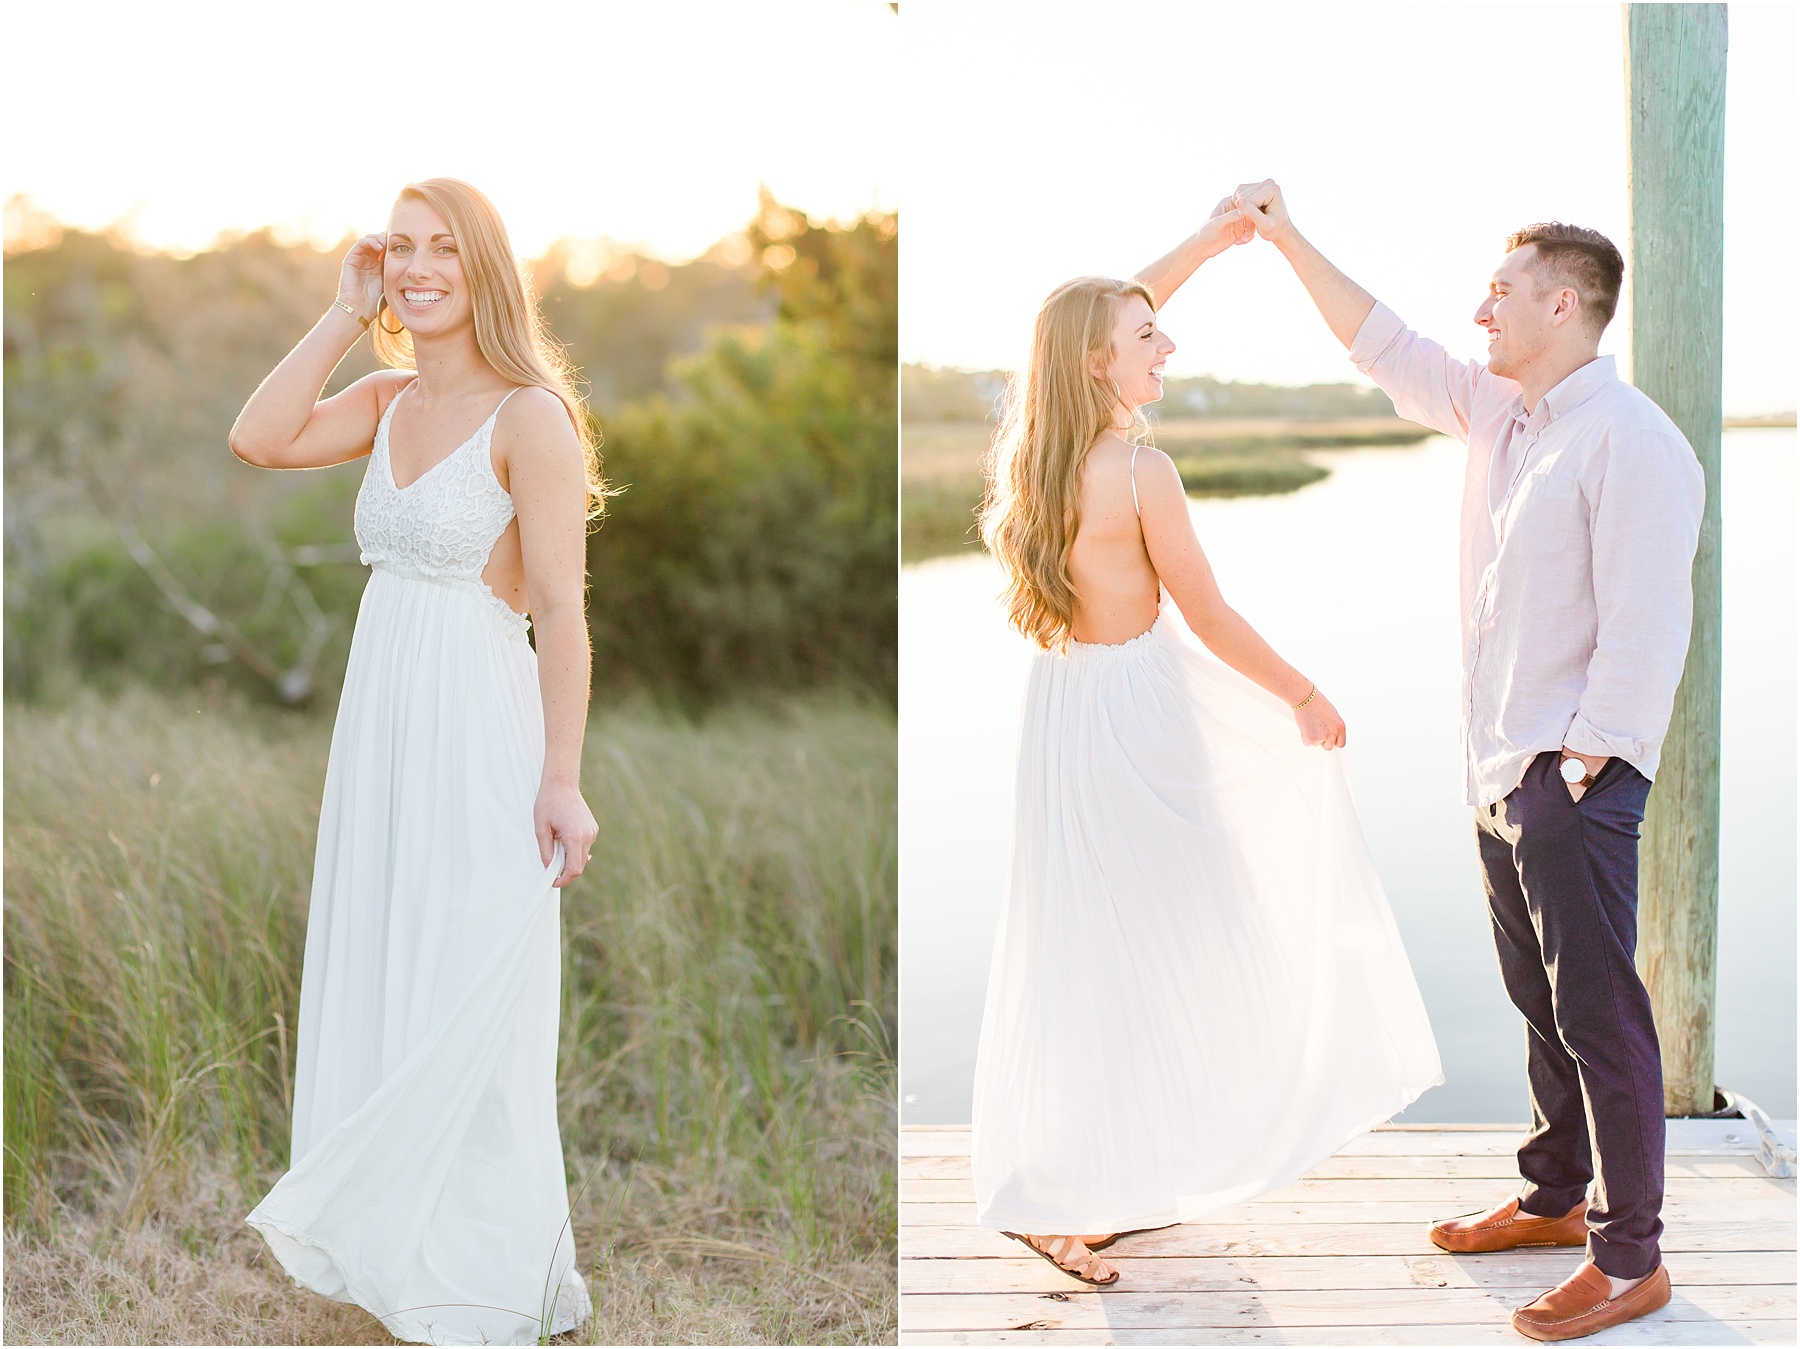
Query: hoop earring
[(391, 332)]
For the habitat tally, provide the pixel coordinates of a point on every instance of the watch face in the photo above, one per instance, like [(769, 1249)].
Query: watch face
[(1573, 770)]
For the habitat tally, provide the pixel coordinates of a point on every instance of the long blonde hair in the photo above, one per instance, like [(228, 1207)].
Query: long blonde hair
[(1056, 409), (509, 331)]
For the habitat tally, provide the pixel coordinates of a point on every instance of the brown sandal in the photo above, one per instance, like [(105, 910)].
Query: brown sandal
[(1118, 1236), (1086, 1261)]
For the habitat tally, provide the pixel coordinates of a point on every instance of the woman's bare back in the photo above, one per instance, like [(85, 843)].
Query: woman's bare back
[(1116, 586)]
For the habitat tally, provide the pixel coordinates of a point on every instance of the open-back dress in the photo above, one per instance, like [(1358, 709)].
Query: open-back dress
[(1198, 991)]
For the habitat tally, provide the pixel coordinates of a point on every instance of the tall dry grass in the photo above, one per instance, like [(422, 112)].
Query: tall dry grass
[(726, 1078)]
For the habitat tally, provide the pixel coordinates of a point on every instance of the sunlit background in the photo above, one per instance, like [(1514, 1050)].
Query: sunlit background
[(1048, 140), (704, 195), (648, 124)]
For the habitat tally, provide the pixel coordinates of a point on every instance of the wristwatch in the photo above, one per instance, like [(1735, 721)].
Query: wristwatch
[(1575, 772)]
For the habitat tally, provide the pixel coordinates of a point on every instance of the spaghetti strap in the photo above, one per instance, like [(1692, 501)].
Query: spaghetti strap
[(1134, 497), (502, 403)]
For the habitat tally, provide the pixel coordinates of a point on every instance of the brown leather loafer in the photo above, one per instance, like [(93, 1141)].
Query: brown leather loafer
[(1583, 1303), (1503, 1228)]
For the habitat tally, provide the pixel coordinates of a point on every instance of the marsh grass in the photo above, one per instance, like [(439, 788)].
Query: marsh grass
[(726, 1073)]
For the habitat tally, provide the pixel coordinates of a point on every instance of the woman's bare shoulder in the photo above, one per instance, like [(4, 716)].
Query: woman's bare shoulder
[(1156, 473), (535, 411), (1149, 457), (1110, 445), (533, 434), (384, 385)]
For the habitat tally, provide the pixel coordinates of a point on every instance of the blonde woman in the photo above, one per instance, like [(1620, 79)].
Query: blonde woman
[(427, 1174), (1197, 991)]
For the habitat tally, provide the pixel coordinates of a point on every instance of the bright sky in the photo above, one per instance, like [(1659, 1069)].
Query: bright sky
[(645, 123), (1048, 140)]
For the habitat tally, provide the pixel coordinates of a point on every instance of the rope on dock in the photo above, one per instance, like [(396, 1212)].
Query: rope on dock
[(1772, 1150)]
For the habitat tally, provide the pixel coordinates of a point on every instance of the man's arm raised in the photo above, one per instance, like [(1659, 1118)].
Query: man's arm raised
[(1427, 386), (1342, 303)]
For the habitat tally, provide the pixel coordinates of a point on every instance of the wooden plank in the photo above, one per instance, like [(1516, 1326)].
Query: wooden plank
[(1341, 1256), (937, 1166), (1519, 1270), (1701, 1137), (919, 1142), (966, 1241), (1465, 1194), (1382, 1143), (1115, 1309), (1648, 1330), (1395, 1128), (1777, 1212)]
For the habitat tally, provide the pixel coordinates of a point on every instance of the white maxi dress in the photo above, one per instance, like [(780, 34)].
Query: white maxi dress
[(1198, 992), (427, 1172)]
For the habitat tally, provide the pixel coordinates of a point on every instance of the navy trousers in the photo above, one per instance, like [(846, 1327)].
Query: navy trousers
[(1561, 881)]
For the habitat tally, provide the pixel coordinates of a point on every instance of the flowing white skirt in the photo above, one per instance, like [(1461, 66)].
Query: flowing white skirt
[(427, 1173), (1198, 992)]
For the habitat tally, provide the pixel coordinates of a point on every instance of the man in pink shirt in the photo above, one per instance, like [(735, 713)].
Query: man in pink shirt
[(1580, 516)]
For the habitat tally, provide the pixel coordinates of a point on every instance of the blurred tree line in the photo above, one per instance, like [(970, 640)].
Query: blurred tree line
[(931, 394), (746, 401)]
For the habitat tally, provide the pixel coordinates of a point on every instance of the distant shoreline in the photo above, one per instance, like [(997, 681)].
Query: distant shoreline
[(940, 465)]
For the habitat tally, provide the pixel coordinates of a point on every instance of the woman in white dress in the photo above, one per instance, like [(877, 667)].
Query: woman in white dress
[(426, 1179), (1198, 992)]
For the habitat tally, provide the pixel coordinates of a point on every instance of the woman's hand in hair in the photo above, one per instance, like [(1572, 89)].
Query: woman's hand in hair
[(359, 284)]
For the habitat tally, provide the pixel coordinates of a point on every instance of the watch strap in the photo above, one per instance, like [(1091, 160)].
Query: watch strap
[(1588, 777)]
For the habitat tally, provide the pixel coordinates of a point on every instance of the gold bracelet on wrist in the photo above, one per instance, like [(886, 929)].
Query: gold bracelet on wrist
[(339, 304), (1311, 693)]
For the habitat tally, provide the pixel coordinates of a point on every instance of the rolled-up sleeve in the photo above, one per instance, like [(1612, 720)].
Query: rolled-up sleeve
[(1427, 386), (1646, 526)]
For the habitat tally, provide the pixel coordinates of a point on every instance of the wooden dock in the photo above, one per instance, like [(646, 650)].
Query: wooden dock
[(1341, 1257)]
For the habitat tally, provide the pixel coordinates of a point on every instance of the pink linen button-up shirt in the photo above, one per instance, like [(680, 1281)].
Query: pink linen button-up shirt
[(1579, 524)]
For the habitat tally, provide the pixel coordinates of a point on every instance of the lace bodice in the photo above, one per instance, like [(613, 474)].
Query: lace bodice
[(442, 526)]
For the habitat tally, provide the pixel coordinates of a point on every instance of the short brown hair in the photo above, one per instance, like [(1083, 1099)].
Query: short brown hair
[(1573, 256)]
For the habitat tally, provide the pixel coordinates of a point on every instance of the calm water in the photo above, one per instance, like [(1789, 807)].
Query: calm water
[(1354, 580)]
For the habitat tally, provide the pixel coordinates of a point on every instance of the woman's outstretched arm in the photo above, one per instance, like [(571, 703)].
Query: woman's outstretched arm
[(286, 424), (1181, 563), (1226, 227), (548, 482)]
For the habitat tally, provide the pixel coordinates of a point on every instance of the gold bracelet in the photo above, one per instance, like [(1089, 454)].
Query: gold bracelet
[(339, 304), (1311, 693)]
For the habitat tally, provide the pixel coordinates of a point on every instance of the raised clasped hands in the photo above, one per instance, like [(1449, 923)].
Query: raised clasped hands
[(1263, 208), (1226, 226), (1254, 210)]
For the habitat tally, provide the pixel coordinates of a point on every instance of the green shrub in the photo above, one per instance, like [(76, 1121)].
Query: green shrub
[(754, 540), (754, 547), (96, 616)]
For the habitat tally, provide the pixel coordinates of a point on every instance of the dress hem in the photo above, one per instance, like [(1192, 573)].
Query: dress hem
[(351, 1296), (1180, 1214)]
